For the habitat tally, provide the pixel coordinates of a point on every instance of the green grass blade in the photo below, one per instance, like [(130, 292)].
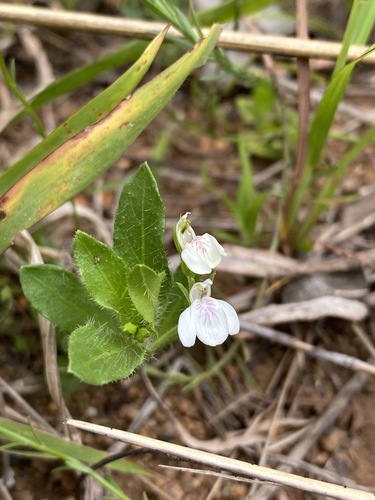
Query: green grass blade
[(10, 81), (55, 446), (326, 110), (86, 116), (170, 13), (333, 181), (230, 10), (319, 130), (83, 75), (76, 163), (358, 29), (360, 24)]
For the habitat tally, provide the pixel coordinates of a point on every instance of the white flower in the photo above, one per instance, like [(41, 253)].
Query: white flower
[(201, 254), (209, 319)]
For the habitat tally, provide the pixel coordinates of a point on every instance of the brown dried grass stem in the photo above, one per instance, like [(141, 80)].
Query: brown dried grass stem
[(242, 42), (303, 96), (231, 465), (318, 427), (337, 358)]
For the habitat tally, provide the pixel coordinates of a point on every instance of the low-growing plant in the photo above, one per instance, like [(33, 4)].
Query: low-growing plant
[(125, 304), (129, 304)]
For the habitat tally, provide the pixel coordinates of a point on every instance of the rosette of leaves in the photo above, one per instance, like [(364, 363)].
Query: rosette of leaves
[(126, 302)]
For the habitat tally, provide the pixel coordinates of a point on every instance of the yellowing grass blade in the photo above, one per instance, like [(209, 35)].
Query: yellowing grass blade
[(77, 162), (93, 111)]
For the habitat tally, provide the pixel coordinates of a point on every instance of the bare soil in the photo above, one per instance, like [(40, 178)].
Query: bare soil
[(231, 412)]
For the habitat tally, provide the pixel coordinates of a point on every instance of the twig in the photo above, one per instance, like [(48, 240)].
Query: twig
[(148, 407), (29, 410), (363, 115), (81, 211), (242, 42), (212, 473), (261, 263), (4, 493), (290, 378), (34, 49), (366, 341), (47, 333), (228, 464), (155, 489), (315, 471), (217, 486), (7, 479), (315, 352), (308, 310), (303, 96), (354, 229), (335, 409)]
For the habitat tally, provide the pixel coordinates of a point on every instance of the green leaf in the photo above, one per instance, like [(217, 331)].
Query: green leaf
[(100, 355), (144, 288), (73, 165), (60, 297), (104, 273), (140, 224)]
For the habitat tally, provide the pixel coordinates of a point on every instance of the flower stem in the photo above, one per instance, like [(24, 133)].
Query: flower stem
[(165, 339)]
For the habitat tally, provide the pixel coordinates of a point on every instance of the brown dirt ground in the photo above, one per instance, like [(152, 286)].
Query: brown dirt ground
[(347, 448)]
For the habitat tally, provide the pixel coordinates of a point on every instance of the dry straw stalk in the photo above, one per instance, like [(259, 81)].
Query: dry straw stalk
[(226, 464), (242, 42)]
